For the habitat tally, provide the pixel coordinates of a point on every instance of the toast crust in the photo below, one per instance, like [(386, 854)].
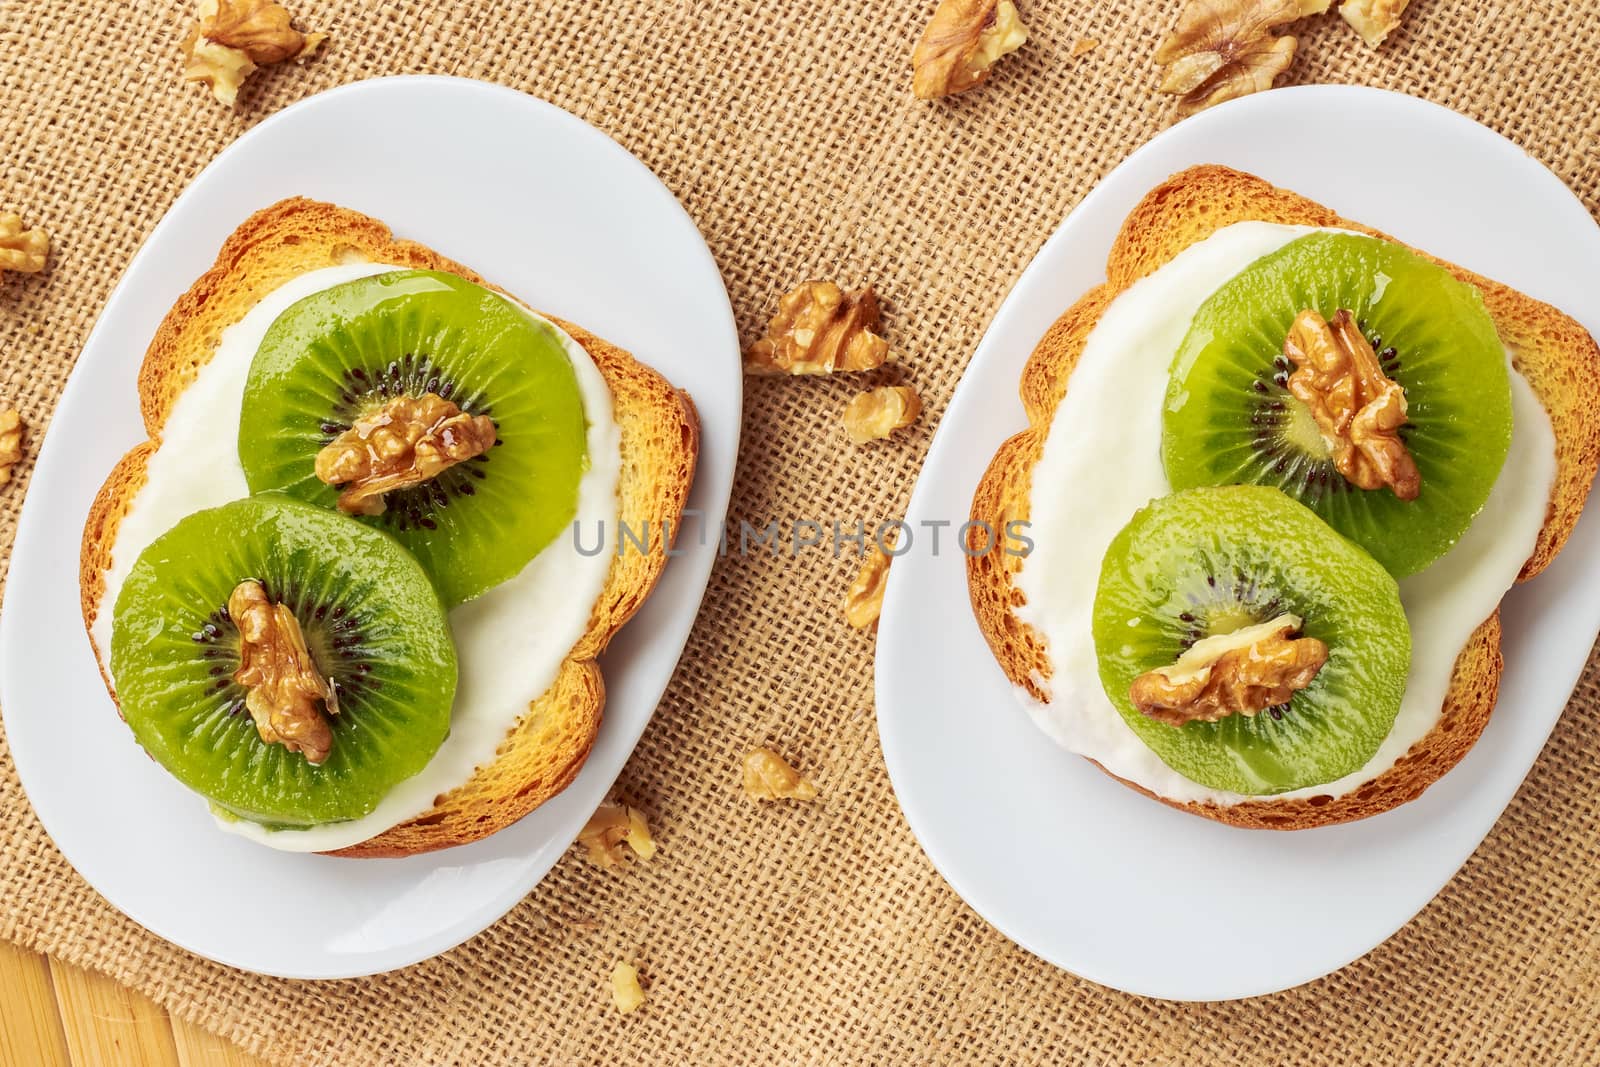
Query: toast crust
[(660, 437), (1552, 351)]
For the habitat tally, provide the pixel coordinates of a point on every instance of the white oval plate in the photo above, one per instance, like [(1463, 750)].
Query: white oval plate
[(1084, 871), (538, 201)]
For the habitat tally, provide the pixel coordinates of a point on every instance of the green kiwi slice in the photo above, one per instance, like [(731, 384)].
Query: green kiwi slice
[(371, 620), (1211, 561), (340, 354), (1229, 417)]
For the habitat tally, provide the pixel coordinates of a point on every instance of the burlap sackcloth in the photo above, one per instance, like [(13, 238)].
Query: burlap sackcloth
[(798, 933)]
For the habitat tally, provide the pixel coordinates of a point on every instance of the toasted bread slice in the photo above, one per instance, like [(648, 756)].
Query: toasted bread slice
[(1554, 353), (660, 437)]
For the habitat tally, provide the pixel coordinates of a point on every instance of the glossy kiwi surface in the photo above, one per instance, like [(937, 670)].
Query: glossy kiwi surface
[(1210, 561), (340, 354), (1229, 417), (372, 621)]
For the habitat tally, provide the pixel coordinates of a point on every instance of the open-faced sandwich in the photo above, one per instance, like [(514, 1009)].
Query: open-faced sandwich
[(1280, 471), (340, 592)]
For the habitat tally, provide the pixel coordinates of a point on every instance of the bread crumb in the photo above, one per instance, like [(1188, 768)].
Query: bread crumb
[(1084, 46)]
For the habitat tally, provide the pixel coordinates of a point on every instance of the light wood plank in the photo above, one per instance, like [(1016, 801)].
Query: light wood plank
[(198, 1047), (30, 1027), (108, 1023)]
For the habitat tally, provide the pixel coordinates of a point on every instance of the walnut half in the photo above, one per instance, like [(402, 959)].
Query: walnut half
[(283, 686), (818, 329), (1240, 673), (962, 42), (1222, 49), (408, 441), (1357, 407), (234, 38)]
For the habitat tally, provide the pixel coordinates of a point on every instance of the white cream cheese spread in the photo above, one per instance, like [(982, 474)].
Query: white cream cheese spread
[(1102, 462), (510, 641)]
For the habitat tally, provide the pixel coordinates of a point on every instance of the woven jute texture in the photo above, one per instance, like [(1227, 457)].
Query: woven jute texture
[(798, 933)]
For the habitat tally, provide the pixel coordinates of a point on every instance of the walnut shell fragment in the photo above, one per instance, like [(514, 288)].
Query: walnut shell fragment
[(22, 250), (819, 329), (10, 443), (1223, 49), (610, 828), (1374, 20), (220, 68), (626, 992), (234, 38), (877, 413), (863, 601), (962, 43), (768, 776)]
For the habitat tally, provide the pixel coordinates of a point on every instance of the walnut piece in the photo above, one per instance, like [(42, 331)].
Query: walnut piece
[(10, 442), (1357, 407), (236, 37), (611, 827), (23, 251), (1222, 49), (768, 776), (220, 68), (284, 687), (819, 329), (406, 442), (258, 28), (1374, 20), (626, 992), (964, 39), (880, 412), (1240, 673), (863, 601)]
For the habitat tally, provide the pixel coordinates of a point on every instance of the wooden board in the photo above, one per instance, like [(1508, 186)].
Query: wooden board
[(56, 1015)]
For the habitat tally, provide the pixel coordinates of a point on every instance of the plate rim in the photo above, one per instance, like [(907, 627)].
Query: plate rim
[(701, 558)]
